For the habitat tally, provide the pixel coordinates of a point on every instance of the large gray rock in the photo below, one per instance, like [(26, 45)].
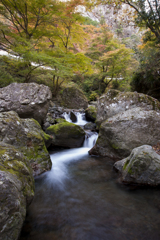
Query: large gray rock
[(91, 113), (29, 100), (127, 130), (66, 134), (16, 191), (27, 136), (114, 102), (141, 167), (73, 98)]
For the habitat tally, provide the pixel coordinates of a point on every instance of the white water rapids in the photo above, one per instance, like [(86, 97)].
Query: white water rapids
[(60, 160), (80, 118)]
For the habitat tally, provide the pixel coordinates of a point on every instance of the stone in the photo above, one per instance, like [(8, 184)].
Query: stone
[(142, 167), (29, 100), (114, 102), (27, 136), (73, 98), (73, 117), (16, 191), (66, 134), (90, 126), (91, 113), (125, 131)]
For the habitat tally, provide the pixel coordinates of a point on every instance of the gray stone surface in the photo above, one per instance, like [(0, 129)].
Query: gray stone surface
[(27, 136), (16, 191), (141, 167), (29, 100), (91, 113), (73, 98), (114, 102), (127, 130)]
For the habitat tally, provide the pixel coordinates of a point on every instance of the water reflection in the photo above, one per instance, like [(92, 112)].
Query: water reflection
[(91, 206)]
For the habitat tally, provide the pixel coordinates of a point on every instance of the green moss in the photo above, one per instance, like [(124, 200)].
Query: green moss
[(114, 146), (60, 120), (126, 164), (46, 137)]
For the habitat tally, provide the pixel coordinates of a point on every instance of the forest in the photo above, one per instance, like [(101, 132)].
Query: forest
[(61, 43)]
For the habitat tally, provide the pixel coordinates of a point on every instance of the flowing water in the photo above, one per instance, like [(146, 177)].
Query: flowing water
[(80, 199)]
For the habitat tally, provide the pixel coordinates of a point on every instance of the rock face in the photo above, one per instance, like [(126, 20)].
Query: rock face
[(27, 136), (127, 130), (114, 102), (74, 98), (141, 167), (66, 134), (29, 100), (91, 113), (16, 191)]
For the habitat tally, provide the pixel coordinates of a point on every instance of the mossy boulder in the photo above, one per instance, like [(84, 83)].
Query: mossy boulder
[(66, 134), (16, 191), (91, 113), (27, 136), (114, 102), (142, 167), (29, 100), (73, 98), (125, 131)]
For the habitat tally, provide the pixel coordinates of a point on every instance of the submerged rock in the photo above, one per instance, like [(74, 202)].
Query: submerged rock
[(27, 136), (90, 126), (141, 167), (114, 102), (66, 134), (16, 191), (91, 113), (29, 100), (127, 130), (73, 98)]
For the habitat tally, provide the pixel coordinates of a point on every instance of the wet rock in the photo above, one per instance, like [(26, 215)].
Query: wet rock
[(125, 131), (114, 102), (66, 134), (27, 136), (91, 113), (73, 117), (141, 167), (73, 98), (29, 100), (90, 126), (16, 191)]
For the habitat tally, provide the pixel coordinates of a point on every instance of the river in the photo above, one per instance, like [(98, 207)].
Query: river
[(81, 199)]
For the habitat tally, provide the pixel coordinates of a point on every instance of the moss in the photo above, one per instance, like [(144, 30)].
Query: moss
[(114, 146), (59, 120), (126, 164), (64, 127), (46, 137)]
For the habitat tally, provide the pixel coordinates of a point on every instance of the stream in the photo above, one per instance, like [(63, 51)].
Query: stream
[(80, 199)]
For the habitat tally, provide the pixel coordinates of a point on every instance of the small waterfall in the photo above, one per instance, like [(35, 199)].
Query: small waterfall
[(81, 120), (90, 139)]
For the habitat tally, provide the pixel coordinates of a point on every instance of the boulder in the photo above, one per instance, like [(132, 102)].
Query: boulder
[(27, 136), (73, 98), (142, 167), (66, 134), (91, 113), (73, 117), (125, 131), (114, 102), (29, 100), (16, 191)]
